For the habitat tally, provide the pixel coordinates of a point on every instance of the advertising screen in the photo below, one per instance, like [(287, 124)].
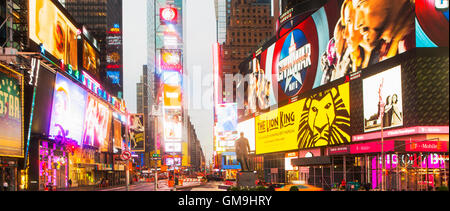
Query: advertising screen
[(248, 128), (11, 141), (329, 45), (137, 132), (172, 146), (68, 109), (91, 60), (172, 95), (384, 88), (97, 123), (117, 134), (172, 78), (226, 117), (171, 60), (113, 76), (172, 124), (432, 23), (173, 161), (49, 26), (322, 119)]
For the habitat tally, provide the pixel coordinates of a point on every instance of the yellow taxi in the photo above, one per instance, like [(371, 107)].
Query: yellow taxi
[(300, 188)]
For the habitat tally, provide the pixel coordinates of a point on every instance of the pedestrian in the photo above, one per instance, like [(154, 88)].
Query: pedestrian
[(5, 186), (70, 183)]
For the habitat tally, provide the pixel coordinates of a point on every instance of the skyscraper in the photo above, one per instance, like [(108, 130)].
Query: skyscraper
[(103, 19)]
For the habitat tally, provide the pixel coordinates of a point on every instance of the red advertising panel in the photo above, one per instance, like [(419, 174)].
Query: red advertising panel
[(168, 15), (426, 146)]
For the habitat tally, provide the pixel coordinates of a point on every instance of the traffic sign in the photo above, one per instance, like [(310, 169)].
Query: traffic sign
[(126, 155), (155, 155)]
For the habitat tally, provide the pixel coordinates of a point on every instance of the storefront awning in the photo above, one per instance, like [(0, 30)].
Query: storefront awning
[(311, 161)]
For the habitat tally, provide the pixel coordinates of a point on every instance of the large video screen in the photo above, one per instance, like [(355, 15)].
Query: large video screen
[(172, 95), (322, 119), (383, 100), (340, 38), (68, 109), (227, 117), (97, 123), (49, 26), (91, 60), (137, 132), (432, 23), (11, 141), (172, 124)]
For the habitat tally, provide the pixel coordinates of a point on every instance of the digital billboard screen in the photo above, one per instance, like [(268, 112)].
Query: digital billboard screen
[(91, 60), (68, 109), (172, 146), (97, 123), (432, 23), (383, 100), (49, 26), (227, 117), (117, 134), (137, 132), (172, 124), (11, 111), (172, 96), (171, 60), (248, 128), (322, 119)]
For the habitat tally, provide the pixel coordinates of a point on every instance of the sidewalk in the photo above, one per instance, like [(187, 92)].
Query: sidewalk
[(93, 187)]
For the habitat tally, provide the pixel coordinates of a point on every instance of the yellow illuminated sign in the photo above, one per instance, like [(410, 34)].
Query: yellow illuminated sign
[(322, 119)]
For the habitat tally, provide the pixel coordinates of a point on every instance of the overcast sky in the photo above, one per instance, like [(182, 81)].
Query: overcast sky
[(200, 35)]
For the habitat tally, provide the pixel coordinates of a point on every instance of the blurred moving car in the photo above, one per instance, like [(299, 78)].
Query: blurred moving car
[(300, 188)]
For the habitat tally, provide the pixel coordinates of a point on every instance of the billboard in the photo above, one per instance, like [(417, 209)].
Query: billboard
[(172, 124), (11, 112), (322, 119), (432, 23), (384, 88), (97, 124), (171, 60), (137, 132), (168, 15), (117, 134), (172, 95), (226, 117), (91, 60), (50, 27), (68, 110), (172, 147)]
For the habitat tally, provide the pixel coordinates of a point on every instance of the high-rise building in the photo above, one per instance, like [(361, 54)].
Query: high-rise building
[(103, 19), (247, 24)]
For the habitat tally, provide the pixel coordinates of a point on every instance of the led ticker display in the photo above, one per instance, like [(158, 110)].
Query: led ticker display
[(137, 132), (50, 27), (11, 141), (97, 123), (383, 100), (322, 119), (68, 110)]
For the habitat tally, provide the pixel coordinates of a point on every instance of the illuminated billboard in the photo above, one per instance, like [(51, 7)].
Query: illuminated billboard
[(171, 60), (11, 112), (137, 132), (91, 60), (172, 95), (172, 147), (328, 45), (383, 100), (97, 123), (432, 23), (68, 110), (117, 134), (226, 117), (172, 78), (168, 15), (113, 76), (50, 27), (322, 119), (172, 124)]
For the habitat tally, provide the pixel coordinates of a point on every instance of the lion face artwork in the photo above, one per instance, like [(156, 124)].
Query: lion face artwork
[(324, 121)]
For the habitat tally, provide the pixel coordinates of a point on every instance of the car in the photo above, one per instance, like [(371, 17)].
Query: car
[(300, 188)]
